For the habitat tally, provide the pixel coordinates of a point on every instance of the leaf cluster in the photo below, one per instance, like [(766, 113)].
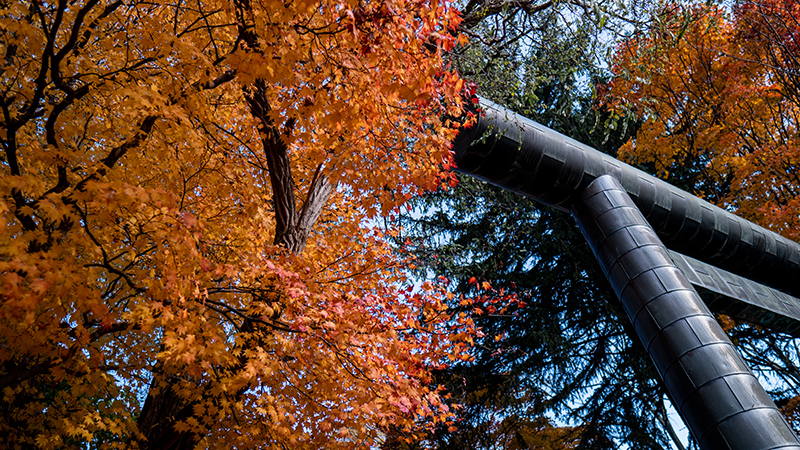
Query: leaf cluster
[(717, 96)]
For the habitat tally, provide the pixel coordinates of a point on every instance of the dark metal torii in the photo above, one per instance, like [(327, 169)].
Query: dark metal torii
[(625, 214)]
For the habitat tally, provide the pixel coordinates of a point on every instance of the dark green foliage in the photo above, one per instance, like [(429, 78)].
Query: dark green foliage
[(567, 351)]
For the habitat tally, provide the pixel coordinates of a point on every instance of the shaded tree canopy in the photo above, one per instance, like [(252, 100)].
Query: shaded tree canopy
[(717, 91)]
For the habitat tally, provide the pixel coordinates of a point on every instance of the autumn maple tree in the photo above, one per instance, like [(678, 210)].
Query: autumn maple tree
[(188, 250), (717, 91)]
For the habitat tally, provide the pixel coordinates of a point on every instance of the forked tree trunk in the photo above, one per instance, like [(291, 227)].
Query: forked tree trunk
[(164, 408)]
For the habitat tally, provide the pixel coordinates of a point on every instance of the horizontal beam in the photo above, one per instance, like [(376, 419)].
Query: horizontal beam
[(740, 298), (521, 155)]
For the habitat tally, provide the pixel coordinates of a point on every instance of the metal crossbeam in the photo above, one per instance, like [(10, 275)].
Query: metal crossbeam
[(523, 156), (738, 297)]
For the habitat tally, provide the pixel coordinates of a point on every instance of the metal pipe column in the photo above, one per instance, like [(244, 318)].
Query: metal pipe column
[(708, 382)]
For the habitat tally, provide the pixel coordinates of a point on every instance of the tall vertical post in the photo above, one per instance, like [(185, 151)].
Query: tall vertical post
[(709, 384)]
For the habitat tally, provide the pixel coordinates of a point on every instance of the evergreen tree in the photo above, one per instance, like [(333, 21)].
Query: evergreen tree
[(563, 350)]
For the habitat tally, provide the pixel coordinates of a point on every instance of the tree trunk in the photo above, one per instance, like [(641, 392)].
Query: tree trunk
[(164, 408)]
